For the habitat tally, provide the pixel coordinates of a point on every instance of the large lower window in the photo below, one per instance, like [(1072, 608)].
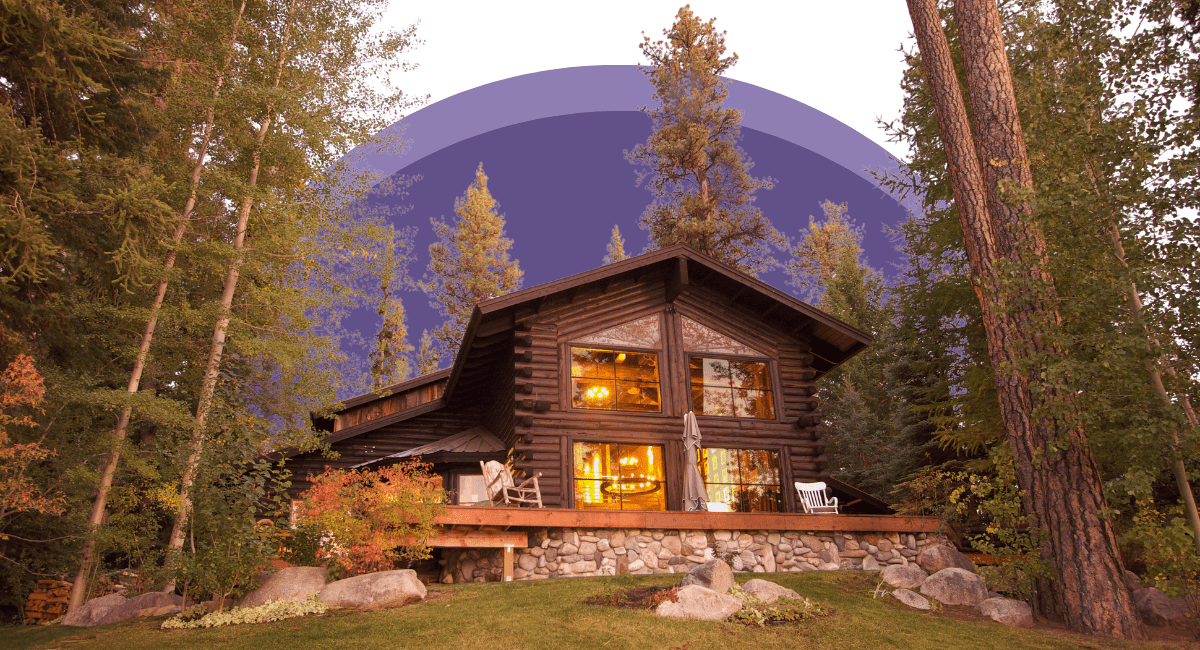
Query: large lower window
[(731, 388), (747, 480), (611, 476), (614, 380)]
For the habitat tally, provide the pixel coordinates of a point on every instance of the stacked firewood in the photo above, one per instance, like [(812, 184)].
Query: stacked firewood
[(48, 602)]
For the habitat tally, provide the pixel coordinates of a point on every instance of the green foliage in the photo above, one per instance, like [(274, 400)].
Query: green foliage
[(1167, 547), (370, 519), (275, 610), (700, 177), (240, 514), (469, 263), (783, 610)]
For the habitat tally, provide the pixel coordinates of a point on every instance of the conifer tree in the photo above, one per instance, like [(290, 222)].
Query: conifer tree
[(427, 356), (692, 163), (616, 248), (469, 263)]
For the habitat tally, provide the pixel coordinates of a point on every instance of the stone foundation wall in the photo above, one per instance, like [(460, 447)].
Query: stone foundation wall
[(563, 552)]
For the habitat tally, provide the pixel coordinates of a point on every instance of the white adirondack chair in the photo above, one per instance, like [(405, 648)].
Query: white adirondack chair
[(502, 489), (814, 501)]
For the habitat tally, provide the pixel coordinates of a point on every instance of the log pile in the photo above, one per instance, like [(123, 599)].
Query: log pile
[(48, 602)]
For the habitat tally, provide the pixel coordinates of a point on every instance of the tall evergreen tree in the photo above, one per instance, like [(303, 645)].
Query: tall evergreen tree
[(390, 360), (469, 263), (692, 163), (616, 247)]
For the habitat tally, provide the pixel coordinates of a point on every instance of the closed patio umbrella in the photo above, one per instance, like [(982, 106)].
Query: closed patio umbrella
[(695, 498)]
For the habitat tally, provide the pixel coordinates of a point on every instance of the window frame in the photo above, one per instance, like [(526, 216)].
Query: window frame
[(661, 445), (568, 392), (784, 475), (772, 375)]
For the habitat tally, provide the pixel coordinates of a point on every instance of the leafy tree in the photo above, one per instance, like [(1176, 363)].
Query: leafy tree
[(700, 177), (370, 519), (469, 263), (616, 248)]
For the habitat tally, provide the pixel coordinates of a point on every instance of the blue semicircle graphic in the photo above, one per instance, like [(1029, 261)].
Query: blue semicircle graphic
[(552, 145)]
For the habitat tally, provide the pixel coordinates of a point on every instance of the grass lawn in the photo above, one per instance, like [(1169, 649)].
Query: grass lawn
[(550, 614)]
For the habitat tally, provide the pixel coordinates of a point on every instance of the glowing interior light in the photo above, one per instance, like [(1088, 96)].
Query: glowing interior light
[(650, 455), (620, 357), (597, 392)]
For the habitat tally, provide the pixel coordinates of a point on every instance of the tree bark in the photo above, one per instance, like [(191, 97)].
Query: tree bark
[(1056, 471), (100, 503), (221, 328)]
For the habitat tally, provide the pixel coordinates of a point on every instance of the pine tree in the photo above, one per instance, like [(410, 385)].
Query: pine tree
[(616, 248), (469, 263), (427, 356), (700, 177)]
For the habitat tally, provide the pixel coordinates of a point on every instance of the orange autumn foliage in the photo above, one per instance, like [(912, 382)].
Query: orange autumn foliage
[(21, 394)]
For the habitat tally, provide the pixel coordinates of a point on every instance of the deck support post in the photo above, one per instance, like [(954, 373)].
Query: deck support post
[(508, 563)]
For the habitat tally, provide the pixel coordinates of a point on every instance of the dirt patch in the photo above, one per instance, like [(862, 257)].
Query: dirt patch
[(1172, 637), (640, 598)]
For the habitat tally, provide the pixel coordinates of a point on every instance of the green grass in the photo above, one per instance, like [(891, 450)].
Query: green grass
[(550, 614)]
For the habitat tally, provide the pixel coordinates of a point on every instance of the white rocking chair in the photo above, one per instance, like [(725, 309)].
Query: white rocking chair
[(814, 501), (502, 489)]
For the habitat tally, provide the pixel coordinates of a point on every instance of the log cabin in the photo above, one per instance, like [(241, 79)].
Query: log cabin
[(585, 381)]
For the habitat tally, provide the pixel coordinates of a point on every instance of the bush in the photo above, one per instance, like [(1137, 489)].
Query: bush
[(784, 610)]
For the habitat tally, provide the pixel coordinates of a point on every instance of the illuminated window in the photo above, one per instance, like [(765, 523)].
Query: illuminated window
[(747, 480), (614, 380), (611, 476), (471, 490), (731, 388)]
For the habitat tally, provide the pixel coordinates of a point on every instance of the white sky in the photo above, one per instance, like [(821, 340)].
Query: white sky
[(838, 57)]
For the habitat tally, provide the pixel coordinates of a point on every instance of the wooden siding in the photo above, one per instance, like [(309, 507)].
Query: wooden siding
[(544, 437), (390, 439), (377, 408)]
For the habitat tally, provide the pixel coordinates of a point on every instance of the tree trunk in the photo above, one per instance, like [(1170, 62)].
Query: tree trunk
[(1055, 467), (96, 518), (221, 328)]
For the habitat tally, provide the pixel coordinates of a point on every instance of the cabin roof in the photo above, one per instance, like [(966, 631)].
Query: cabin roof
[(476, 440), (493, 323)]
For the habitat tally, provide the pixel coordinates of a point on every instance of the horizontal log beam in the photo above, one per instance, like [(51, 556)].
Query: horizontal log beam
[(447, 538), (561, 517)]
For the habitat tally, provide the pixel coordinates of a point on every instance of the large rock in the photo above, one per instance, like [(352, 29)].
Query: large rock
[(1132, 581), (903, 577), (955, 587), (1157, 608), (293, 584), (935, 557), (767, 591), (701, 604), (1012, 613), (374, 590), (911, 598), (90, 613), (150, 604), (714, 574)]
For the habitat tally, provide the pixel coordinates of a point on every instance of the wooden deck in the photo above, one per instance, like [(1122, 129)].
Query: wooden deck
[(508, 518)]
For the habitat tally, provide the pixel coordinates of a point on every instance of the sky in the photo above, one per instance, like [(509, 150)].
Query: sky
[(841, 58)]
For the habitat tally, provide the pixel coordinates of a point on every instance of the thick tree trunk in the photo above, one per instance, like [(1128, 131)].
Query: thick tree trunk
[(1055, 468), (221, 328), (100, 503)]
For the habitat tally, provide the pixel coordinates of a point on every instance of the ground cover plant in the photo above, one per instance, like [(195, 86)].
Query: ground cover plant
[(553, 614)]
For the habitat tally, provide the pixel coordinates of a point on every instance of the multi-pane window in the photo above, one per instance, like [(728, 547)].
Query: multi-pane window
[(731, 387), (611, 476), (615, 380), (747, 480)]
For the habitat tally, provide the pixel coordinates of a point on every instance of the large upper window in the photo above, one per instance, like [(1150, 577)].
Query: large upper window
[(611, 476), (615, 380), (731, 387), (747, 480)]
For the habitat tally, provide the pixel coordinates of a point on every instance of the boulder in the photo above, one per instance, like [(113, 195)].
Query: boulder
[(935, 557), (293, 585), (714, 574), (910, 598), (374, 590), (700, 603), (1132, 581), (1157, 608), (869, 563), (903, 577), (1012, 613), (90, 613), (767, 591), (142, 605), (955, 586)]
